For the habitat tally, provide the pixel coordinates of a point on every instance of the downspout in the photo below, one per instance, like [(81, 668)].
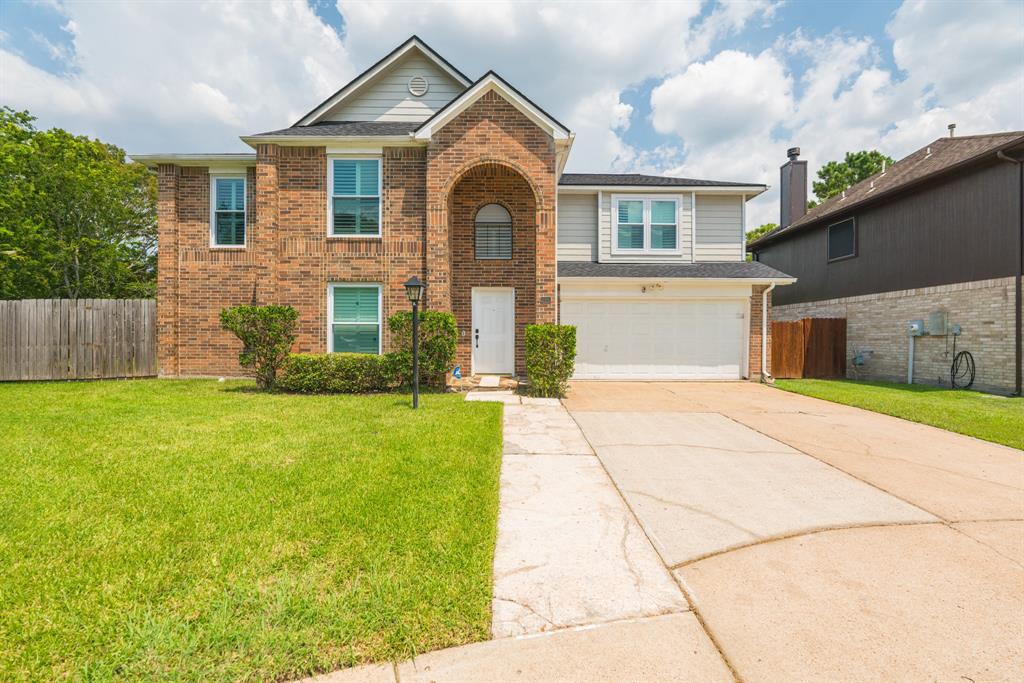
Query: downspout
[(766, 376), (1020, 268)]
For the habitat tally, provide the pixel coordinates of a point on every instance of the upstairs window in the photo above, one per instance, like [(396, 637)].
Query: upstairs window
[(355, 318), (842, 240), (645, 224), (493, 232), (227, 224), (355, 197)]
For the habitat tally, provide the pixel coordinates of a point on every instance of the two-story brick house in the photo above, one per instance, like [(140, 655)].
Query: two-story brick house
[(414, 169)]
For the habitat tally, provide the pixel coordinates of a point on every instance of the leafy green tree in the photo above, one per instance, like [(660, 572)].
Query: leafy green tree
[(77, 219), (836, 176), (760, 231)]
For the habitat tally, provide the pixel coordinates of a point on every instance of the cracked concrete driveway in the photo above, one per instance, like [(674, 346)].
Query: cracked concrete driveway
[(818, 541)]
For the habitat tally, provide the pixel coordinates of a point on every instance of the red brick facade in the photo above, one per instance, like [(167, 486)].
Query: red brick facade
[(490, 153), (755, 332)]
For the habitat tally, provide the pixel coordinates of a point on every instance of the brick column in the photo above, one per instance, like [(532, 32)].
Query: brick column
[(167, 270), (265, 236), (439, 263), (547, 299), (755, 333)]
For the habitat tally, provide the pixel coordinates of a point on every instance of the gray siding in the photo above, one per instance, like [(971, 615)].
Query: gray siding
[(719, 231), (388, 99), (577, 227), (959, 230)]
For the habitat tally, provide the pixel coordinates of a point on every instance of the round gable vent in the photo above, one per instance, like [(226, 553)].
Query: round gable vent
[(418, 86)]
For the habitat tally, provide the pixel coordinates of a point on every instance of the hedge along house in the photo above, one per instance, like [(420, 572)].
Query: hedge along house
[(414, 169)]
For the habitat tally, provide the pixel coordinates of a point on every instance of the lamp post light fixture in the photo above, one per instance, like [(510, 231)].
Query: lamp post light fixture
[(414, 293)]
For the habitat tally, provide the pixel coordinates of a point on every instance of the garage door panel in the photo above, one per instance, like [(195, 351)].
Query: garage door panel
[(663, 339)]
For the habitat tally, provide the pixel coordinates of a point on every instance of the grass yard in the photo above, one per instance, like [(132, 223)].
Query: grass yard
[(196, 530), (992, 418)]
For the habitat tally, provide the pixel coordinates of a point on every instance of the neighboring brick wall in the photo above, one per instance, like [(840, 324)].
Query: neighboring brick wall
[(487, 184), (754, 354), (984, 309)]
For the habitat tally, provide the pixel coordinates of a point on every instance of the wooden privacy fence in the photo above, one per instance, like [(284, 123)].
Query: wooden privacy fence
[(812, 347), (77, 338)]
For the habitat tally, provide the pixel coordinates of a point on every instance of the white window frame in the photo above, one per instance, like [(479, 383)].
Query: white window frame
[(331, 158), (647, 199), (214, 177), (330, 312)]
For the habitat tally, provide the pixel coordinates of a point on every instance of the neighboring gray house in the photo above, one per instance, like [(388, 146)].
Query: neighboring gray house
[(936, 238)]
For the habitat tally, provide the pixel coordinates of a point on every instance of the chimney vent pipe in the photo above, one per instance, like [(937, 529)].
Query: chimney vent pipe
[(952, 129)]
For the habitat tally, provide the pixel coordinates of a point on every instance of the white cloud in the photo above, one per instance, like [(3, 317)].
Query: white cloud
[(182, 76), (960, 64)]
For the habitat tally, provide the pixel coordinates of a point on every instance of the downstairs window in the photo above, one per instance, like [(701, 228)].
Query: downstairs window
[(355, 318)]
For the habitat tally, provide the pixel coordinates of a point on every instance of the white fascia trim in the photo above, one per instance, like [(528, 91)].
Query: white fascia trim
[(240, 160), (695, 280), (315, 115), (333, 140), (750, 191), (484, 86)]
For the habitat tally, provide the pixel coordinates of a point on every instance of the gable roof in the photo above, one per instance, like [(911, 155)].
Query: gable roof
[(413, 43), (640, 180), (945, 155), (486, 83)]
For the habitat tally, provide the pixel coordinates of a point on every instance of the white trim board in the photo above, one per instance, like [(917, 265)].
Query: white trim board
[(491, 83)]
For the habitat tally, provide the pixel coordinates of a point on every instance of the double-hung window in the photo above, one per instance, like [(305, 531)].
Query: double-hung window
[(355, 197), (355, 318), (645, 224), (227, 211)]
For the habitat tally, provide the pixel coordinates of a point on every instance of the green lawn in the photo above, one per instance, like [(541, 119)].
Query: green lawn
[(198, 530), (993, 418)]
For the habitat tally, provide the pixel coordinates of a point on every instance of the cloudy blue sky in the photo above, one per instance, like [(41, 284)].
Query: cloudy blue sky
[(716, 89)]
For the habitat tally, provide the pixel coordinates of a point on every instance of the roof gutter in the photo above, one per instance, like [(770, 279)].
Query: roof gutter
[(689, 279), (1003, 156)]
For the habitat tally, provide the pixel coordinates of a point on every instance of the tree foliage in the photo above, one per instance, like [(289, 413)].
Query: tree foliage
[(760, 231), (267, 333), (836, 176), (76, 219)]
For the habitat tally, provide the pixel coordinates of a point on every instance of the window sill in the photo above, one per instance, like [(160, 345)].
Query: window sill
[(355, 237), (234, 247)]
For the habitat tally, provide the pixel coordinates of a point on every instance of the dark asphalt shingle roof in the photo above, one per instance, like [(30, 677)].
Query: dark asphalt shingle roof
[(942, 155), (347, 128), (731, 269), (639, 179)]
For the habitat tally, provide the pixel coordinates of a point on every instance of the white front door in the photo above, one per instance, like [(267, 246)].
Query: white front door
[(494, 337)]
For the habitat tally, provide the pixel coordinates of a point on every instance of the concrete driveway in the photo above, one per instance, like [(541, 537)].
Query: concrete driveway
[(816, 541)]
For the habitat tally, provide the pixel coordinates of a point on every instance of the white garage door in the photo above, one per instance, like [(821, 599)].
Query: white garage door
[(660, 339)]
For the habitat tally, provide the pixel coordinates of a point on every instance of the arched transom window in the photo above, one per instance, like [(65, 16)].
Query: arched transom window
[(493, 232)]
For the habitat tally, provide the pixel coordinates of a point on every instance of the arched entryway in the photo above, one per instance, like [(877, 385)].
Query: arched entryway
[(493, 284)]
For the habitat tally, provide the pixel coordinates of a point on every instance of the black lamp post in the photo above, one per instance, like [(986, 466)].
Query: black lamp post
[(414, 292)]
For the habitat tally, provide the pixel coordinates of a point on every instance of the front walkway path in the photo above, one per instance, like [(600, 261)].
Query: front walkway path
[(569, 551)]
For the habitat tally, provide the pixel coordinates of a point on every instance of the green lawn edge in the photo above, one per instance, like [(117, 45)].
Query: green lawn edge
[(988, 417)]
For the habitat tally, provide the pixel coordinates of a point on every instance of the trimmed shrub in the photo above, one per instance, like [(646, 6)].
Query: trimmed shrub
[(267, 333), (550, 358), (340, 373), (438, 335)]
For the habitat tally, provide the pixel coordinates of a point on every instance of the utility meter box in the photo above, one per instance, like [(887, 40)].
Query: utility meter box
[(915, 328), (938, 323)]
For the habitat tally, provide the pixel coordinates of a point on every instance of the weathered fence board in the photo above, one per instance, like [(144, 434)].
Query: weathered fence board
[(77, 338), (809, 348)]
